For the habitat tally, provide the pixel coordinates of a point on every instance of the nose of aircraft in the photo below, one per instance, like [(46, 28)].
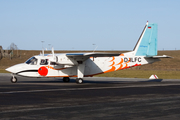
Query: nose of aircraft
[(11, 69), (15, 68)]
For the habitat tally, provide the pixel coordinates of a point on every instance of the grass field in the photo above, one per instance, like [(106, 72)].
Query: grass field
[(3, 71), (167, 68), (143, 74)]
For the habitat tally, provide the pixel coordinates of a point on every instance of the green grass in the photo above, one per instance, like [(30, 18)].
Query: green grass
[(142, 74), (3, 71)]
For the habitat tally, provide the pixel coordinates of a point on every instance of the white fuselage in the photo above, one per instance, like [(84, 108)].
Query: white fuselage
[(43, 67)]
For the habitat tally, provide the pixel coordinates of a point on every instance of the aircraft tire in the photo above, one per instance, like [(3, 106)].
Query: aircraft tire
[(13, 79), (79, 80), (66, 79)]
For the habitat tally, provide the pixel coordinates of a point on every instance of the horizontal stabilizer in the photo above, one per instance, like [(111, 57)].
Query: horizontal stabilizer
[(163, 56)]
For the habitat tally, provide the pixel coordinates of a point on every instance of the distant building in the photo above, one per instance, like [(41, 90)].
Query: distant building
[(1, 52)]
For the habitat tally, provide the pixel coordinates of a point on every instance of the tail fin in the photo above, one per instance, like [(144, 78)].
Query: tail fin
[(147, 43)]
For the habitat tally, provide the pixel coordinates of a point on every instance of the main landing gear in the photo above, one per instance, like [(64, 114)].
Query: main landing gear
[(80, 72), (66, 79), (79, 80)]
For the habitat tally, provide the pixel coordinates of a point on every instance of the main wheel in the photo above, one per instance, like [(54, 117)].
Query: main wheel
[(13, 79), (66, 79), (79, 80)]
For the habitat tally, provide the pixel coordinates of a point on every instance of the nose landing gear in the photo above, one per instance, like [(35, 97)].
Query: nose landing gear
[(13, 79)]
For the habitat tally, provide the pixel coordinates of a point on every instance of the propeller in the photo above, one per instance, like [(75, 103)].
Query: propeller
[(53, 59), (42, 54), (53, 52)]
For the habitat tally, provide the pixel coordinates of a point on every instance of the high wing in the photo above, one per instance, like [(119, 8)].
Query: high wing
[(78, 58), (92, 54)]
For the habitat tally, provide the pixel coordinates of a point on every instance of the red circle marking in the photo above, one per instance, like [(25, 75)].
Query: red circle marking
[(43, 71)]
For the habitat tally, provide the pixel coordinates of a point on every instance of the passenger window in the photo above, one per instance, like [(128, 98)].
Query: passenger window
[(44, 62)]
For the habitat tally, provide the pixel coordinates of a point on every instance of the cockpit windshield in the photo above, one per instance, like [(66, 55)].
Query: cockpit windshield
[(32, 61)]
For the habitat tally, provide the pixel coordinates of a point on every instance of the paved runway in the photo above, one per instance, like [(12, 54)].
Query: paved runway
[(97, 98)]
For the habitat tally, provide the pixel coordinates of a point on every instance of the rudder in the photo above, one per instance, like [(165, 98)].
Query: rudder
[(147, 43)]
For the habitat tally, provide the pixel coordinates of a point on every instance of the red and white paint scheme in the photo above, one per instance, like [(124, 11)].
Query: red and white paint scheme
[(89, 64), (153, 77)]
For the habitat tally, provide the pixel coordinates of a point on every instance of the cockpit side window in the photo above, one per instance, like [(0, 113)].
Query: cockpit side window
[(32, 61), (44, 62)]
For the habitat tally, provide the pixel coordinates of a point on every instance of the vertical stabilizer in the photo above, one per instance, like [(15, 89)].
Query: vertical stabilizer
[(147, 43)]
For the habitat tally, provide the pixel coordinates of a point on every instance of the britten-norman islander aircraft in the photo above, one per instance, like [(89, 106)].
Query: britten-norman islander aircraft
[(89, 64)]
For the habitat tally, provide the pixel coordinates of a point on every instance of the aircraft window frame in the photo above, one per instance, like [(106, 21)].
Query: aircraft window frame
[(44, 62), (32, 61)]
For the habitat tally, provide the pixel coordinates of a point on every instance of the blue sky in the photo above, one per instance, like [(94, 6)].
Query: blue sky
[(78, 24)]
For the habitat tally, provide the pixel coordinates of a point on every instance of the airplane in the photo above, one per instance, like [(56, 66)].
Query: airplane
[(82, 65)]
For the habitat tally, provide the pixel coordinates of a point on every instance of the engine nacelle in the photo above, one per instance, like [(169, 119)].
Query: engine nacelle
[(63, 59)]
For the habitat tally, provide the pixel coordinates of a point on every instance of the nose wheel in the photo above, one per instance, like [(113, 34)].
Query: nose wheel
[(13, 79)]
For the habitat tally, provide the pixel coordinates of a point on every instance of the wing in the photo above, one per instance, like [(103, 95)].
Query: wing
[(92, 54), (79, 58)]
